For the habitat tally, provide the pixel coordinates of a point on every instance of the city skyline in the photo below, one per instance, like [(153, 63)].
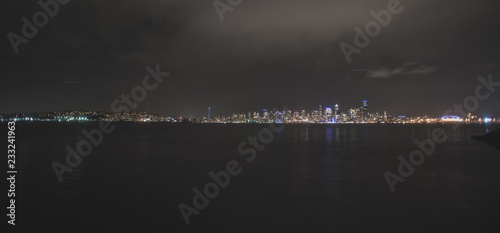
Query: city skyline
[(322, 114), (251, 115), (145, 108)]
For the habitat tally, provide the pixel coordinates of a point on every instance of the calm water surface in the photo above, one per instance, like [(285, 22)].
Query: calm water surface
[(311, 178)]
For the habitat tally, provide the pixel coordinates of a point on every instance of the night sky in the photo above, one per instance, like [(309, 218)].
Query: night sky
[(264, 54)]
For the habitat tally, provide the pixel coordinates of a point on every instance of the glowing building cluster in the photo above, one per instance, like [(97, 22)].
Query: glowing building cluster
[(320, 115)]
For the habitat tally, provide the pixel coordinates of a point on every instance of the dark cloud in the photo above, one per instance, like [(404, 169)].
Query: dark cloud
[(408, 68), (264, 54)]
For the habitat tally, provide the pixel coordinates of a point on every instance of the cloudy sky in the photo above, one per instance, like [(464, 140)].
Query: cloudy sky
[(264, 54)]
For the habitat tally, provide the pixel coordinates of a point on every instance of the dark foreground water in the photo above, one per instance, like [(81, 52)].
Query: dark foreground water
[(311, 178)]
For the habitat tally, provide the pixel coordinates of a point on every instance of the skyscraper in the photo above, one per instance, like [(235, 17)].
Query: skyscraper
[(336, 108), (328, 114), (364, 110)]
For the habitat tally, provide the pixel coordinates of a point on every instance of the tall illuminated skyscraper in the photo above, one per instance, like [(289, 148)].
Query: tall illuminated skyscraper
[(328, 114), (208, 112), (336, 116), (364, 110)]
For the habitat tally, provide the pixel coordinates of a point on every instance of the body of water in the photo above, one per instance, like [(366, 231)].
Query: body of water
[(310, 178)]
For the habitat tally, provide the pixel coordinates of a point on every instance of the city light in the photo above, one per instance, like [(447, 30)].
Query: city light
[(321, 115)]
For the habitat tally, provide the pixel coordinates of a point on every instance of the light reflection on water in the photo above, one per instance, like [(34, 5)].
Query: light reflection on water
[(327, 176)]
